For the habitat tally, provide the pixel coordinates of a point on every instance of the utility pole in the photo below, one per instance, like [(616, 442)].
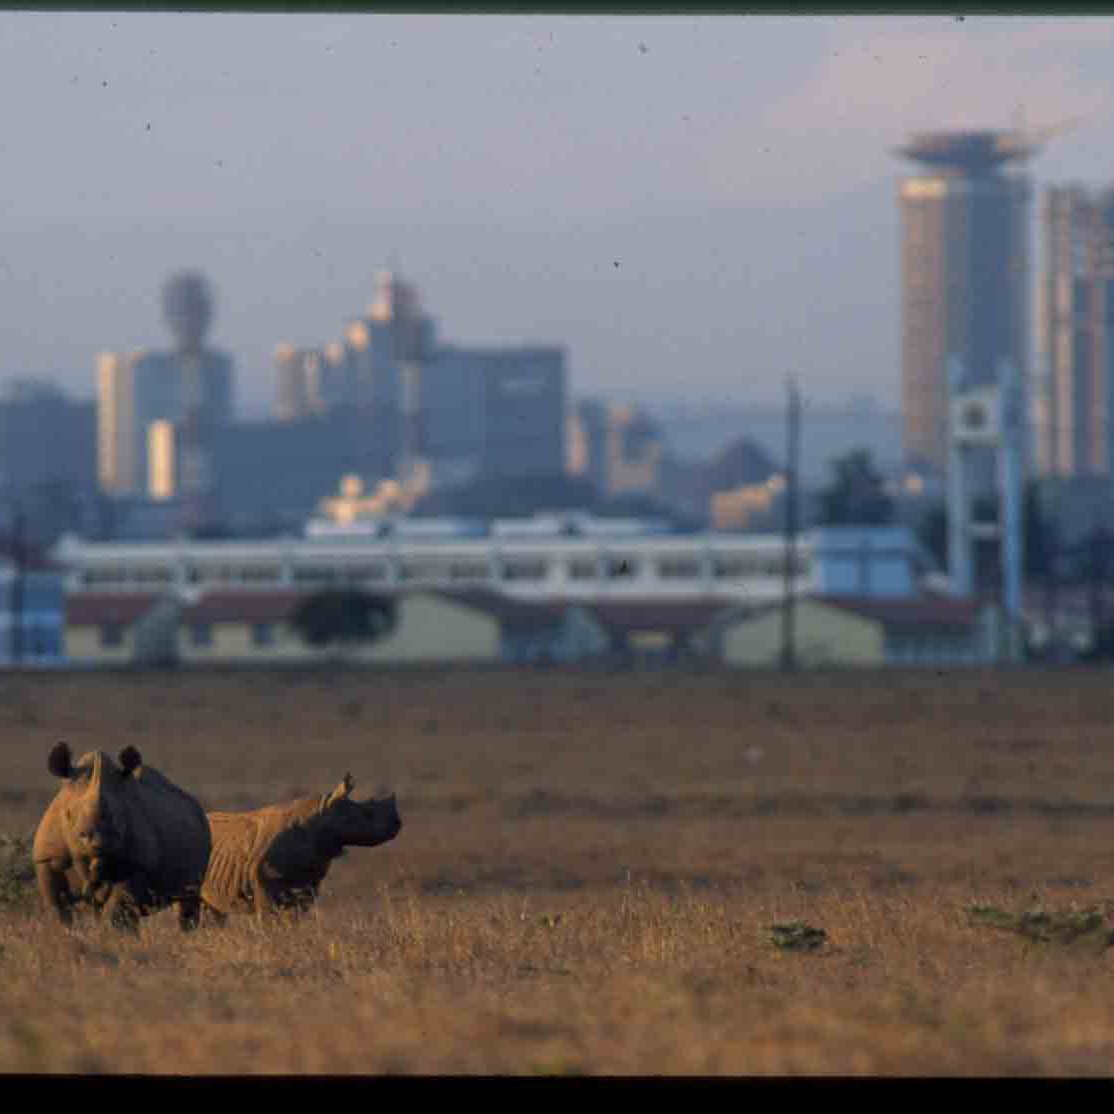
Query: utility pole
[(17, 588), (1097, 548), (1051, 532), (792, 453)]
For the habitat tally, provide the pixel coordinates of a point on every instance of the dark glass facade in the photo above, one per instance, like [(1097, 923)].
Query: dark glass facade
[(964, 287), (1077, 321)]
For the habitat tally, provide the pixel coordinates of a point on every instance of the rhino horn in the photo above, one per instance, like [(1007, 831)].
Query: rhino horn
[(58, 763), (340, 792), (130, 759)]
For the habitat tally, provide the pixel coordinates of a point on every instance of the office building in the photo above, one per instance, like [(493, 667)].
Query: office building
[(524, 392), (494, 411), (451, 408), (433, 411), (190, 386), (116, 440), (964, 275), (312, 381), (1072, 410), (587, 444), (163, 385), (337, 376), (285, 468), (300, 383), (385, 351), (619, 448), (161, 460), (46, 437), (137, 389)]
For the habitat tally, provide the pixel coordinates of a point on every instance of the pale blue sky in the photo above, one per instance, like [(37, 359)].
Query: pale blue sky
[(738, 169)]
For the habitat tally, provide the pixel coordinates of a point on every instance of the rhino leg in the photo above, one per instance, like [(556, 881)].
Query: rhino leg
[(262, 891), (189, 913), (121, 909), (129, 899), (54, 890), (214, 914), (304, 898)]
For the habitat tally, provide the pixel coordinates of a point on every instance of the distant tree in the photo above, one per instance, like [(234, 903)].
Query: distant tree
[(1041, 540), (856, 496), (932, 533), (343, 618), (1093, 561)]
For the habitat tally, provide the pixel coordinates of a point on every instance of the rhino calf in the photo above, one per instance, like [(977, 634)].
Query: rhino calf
[(123, 837), (277, 857)]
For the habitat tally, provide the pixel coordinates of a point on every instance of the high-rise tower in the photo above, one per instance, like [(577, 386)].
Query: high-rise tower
[(188, 311), (964, 275), (116, 441), (1076, 317), (189, 387), (387, 350)]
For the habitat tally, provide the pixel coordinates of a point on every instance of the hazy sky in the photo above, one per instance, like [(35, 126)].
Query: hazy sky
[(693, 205)]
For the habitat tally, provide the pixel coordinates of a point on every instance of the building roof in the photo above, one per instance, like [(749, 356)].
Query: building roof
[(256, 606), (619, 617), (919, 611), (96, 608), (514, 614), (675, 616), (243, 607), (970, 151)]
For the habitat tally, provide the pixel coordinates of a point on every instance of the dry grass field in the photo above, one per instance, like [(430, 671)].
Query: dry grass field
[(588, 873)]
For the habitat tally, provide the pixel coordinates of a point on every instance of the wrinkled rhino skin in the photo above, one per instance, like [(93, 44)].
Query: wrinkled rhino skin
[(122, 836), (277, 857)]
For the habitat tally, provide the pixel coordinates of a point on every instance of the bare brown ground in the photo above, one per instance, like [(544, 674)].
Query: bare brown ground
[(587, 871)]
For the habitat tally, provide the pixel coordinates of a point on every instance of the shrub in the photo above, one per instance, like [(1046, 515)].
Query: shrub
[(17, 872)]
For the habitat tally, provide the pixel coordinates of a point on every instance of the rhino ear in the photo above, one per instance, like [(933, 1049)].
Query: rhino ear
[(58, 763), (130, 759)]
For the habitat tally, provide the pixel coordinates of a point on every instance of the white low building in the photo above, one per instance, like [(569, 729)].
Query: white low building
[(585, 563)]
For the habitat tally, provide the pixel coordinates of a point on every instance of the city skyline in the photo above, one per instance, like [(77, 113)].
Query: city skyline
[(661, 195)]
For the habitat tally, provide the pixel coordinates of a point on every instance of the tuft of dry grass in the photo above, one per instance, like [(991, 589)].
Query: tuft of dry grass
[(588, 875), (639, 981)]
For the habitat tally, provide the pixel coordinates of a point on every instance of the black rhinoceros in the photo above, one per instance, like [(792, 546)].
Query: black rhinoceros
[(276, 857), (123, 837)]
